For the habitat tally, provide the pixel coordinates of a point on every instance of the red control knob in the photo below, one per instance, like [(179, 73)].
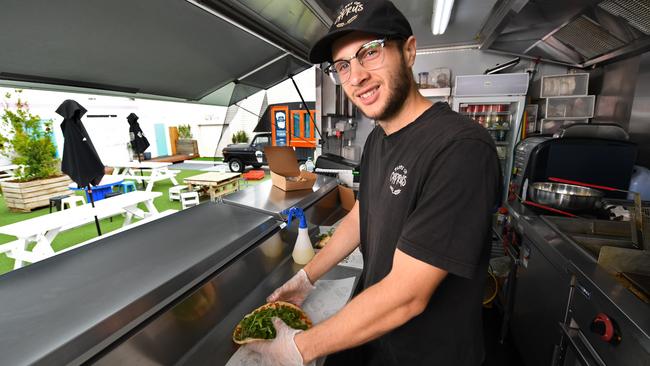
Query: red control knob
[(606, 328)]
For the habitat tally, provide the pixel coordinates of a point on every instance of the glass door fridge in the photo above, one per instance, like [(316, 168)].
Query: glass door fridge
[(502, 117)]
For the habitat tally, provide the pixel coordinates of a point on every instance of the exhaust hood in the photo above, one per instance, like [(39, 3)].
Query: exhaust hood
[(579, 33)]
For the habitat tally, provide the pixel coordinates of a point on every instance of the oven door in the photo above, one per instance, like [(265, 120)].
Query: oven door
[(575, 348)]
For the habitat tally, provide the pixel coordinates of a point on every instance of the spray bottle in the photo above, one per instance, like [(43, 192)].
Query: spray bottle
[(303, 251)]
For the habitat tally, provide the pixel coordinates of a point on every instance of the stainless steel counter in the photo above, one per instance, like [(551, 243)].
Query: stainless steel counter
[(71, 307), (596, 286), (166, 292), (270, 200), (197, 330)]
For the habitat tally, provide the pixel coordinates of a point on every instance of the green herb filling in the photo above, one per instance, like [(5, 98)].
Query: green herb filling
[(260, 326)]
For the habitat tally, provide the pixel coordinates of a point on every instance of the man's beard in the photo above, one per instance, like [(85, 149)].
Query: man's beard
[(401, 85)]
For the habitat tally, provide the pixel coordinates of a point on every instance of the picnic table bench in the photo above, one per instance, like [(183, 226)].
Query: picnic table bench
[(43, 229), (158, 171)]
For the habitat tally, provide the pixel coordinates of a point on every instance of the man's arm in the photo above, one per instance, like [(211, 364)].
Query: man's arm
[(345, 239), (403, 294)]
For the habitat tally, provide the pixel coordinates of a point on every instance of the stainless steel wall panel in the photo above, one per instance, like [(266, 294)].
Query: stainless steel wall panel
[(639, 127), (614, 85)]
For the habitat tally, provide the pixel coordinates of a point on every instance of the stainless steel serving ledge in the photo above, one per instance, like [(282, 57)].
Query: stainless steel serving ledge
[(163, 293), (71, 307), (270, 200), (198, 329)]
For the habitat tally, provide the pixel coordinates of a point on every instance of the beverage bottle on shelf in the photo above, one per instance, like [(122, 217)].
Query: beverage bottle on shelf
[(309, 165)]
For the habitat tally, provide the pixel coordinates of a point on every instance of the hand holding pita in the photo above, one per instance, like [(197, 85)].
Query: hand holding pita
[(281, 350), (294, 291)]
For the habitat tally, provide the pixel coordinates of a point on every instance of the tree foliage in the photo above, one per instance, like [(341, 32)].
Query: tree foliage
[(240, 137), (27, 141), (184, 131)]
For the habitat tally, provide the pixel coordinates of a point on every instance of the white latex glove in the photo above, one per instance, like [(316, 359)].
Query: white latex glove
[(294, 291), (282, 350)]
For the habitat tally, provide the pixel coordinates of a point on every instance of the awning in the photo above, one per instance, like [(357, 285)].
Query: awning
[(203, 51)]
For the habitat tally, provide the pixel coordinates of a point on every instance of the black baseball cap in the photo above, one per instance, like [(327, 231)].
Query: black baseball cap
[(379, 17)]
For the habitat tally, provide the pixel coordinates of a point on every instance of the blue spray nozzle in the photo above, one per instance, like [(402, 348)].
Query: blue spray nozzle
[(297, 212)]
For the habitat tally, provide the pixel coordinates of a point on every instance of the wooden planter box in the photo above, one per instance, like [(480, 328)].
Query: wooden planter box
[(187, 147), (26, 196)]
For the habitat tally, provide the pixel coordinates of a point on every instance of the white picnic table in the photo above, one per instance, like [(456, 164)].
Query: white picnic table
[(7, 172), (157, 171), (43, 229)]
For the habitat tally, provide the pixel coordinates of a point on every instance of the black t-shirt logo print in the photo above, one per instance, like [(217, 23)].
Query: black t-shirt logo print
[(398, 179)]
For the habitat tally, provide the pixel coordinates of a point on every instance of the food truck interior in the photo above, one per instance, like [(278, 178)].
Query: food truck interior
[(563, 87)]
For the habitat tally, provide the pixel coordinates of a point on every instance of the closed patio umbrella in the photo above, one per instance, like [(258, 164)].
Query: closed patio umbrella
[(80, 159), (139, 143)]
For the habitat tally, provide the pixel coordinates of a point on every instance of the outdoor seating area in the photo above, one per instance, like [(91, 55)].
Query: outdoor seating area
[(121, 201), (157, 171)]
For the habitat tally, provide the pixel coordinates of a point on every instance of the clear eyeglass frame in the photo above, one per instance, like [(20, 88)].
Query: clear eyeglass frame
[(370, 56)]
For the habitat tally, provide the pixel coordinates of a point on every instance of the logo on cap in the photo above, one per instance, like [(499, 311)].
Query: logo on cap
[(348, 13)]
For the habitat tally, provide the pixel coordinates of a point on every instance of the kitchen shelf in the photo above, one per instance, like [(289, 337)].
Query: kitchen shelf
[(435, 92), (564, 85)]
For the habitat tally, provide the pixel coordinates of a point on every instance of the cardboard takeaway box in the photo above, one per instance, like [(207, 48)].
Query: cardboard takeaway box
[(346, 196), (284, 169)]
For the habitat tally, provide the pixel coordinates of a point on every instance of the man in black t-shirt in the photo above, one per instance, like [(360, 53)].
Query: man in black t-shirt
[(429, 184)]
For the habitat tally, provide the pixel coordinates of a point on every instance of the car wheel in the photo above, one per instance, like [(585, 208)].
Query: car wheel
[(236, 165), (257, 166)]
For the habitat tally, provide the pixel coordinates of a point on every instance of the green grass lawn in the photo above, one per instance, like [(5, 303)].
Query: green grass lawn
[(208, 158), (88, 231)]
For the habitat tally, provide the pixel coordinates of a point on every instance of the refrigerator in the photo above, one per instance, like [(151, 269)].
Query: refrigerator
[(497, 103)]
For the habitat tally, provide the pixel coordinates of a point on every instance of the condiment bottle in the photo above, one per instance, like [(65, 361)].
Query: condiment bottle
[(303, 251)]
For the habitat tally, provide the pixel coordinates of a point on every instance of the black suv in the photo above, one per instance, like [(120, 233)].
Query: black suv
[(239, 155)]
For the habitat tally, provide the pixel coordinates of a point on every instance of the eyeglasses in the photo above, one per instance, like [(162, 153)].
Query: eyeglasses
[(370, 56)]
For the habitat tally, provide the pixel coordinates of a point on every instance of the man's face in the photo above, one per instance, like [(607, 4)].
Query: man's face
[(379, 93)]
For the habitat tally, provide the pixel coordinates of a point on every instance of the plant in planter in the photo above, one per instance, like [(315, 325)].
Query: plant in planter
[(240, 137), (185, 144), (184, 132), (27, 140)]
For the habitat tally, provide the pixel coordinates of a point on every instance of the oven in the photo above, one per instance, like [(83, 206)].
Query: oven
[(590, 160), (595, 332)]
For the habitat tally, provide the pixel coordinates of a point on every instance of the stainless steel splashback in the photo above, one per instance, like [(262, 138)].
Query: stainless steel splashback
[(639, 127), (614, 86)]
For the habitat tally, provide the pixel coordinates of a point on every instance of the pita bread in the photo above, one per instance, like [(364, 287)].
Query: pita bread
[(239, 335)]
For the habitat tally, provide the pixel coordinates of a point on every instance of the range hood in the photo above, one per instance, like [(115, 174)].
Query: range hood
[(581, 33), (205, 51)]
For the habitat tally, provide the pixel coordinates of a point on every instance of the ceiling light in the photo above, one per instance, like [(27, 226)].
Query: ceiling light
[(441, 14)]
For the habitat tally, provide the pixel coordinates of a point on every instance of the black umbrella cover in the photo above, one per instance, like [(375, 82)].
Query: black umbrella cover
[(80, 159), (139, 143)]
